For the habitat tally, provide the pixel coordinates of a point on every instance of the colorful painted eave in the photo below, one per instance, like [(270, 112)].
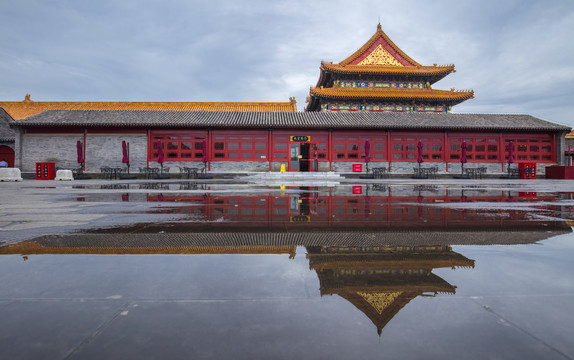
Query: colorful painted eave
[(401, 94), (380, 38), (388, 70), (22, 109)]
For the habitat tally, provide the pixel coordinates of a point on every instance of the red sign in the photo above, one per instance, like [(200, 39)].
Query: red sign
[(357, 190), (357, 167)]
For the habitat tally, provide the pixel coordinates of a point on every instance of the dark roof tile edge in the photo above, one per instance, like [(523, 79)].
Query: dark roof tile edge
[(133, 118)]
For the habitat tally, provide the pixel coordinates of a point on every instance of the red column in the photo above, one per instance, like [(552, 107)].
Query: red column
[(330, 150), (148, 147), (389, 148), (84, 163), (269, 152), (445, 151)]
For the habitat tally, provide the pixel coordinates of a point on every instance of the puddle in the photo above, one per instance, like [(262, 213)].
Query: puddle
[(371, 270)]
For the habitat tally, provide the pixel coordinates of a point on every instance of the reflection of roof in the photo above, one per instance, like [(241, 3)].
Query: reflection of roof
[(381, 296), (389, 261), (418, 281), (145, 244), (227, 119), (379, 307), (453, 97), (261, 242), (23, 109), (381, 280)]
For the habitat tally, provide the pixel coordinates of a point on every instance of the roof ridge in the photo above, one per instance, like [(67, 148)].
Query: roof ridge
[(379, 34)]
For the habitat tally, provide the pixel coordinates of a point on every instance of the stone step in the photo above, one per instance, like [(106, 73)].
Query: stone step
[(295, 175)]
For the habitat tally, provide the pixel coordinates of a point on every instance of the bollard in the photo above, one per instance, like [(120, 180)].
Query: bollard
[(10, 174), (64, 175)]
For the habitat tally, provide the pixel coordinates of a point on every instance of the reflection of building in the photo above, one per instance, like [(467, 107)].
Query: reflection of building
[(314, 210), (381, 280), (378, 279), (379, 94)]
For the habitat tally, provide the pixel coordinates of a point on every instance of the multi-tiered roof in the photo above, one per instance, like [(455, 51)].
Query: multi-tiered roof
[(381, 77)]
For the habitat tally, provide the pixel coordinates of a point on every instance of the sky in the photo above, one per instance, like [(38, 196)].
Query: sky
[(517, 55)]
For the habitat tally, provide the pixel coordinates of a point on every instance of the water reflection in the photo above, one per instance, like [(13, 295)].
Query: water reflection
[(377, 280), (377, 247), (375, 208), (381, 280)]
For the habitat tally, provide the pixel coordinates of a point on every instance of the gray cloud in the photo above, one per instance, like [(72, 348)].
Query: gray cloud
[(516, 55)]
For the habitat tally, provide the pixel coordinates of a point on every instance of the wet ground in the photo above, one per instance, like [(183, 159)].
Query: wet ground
[(390, 269)]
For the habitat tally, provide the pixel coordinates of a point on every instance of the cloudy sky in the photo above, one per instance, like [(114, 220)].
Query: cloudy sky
[(516, 55)]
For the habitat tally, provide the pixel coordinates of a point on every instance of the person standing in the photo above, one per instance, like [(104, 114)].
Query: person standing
[(3, 163)]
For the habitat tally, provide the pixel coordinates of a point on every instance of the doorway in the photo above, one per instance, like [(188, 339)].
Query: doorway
[(6, 153), (303, 157)]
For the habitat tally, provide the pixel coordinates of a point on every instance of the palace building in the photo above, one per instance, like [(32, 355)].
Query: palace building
[(373, 107), (381, 77)]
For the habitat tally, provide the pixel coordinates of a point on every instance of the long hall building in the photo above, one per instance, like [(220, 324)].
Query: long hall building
[(376, 106)]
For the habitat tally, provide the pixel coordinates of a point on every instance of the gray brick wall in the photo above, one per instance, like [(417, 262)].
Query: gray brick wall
[(59, 149), (239, 166), (106, 150), (101, 150)]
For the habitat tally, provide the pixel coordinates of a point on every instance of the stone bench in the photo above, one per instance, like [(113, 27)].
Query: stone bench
[(10, 174), (64, 175)]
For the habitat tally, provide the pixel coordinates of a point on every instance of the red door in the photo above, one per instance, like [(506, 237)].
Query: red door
[(6, 153)]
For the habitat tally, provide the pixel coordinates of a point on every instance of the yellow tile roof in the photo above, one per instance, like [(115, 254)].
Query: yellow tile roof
[(570, 135), (387, 70), (23, 109), (378, 36), (368, 93)]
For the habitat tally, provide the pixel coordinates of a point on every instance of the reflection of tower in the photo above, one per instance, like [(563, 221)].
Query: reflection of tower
[(381, 280)]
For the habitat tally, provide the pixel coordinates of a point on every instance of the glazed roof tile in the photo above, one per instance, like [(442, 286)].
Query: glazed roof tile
[(23, 109), (395, 94), (378, 37), (323, 120), (388, 70)]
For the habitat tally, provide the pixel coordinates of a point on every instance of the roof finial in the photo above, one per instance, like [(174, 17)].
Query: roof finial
[(379, 28), (27, 97)]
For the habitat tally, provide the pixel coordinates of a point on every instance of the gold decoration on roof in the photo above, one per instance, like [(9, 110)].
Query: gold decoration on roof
[(380, 56), (380, 301)]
